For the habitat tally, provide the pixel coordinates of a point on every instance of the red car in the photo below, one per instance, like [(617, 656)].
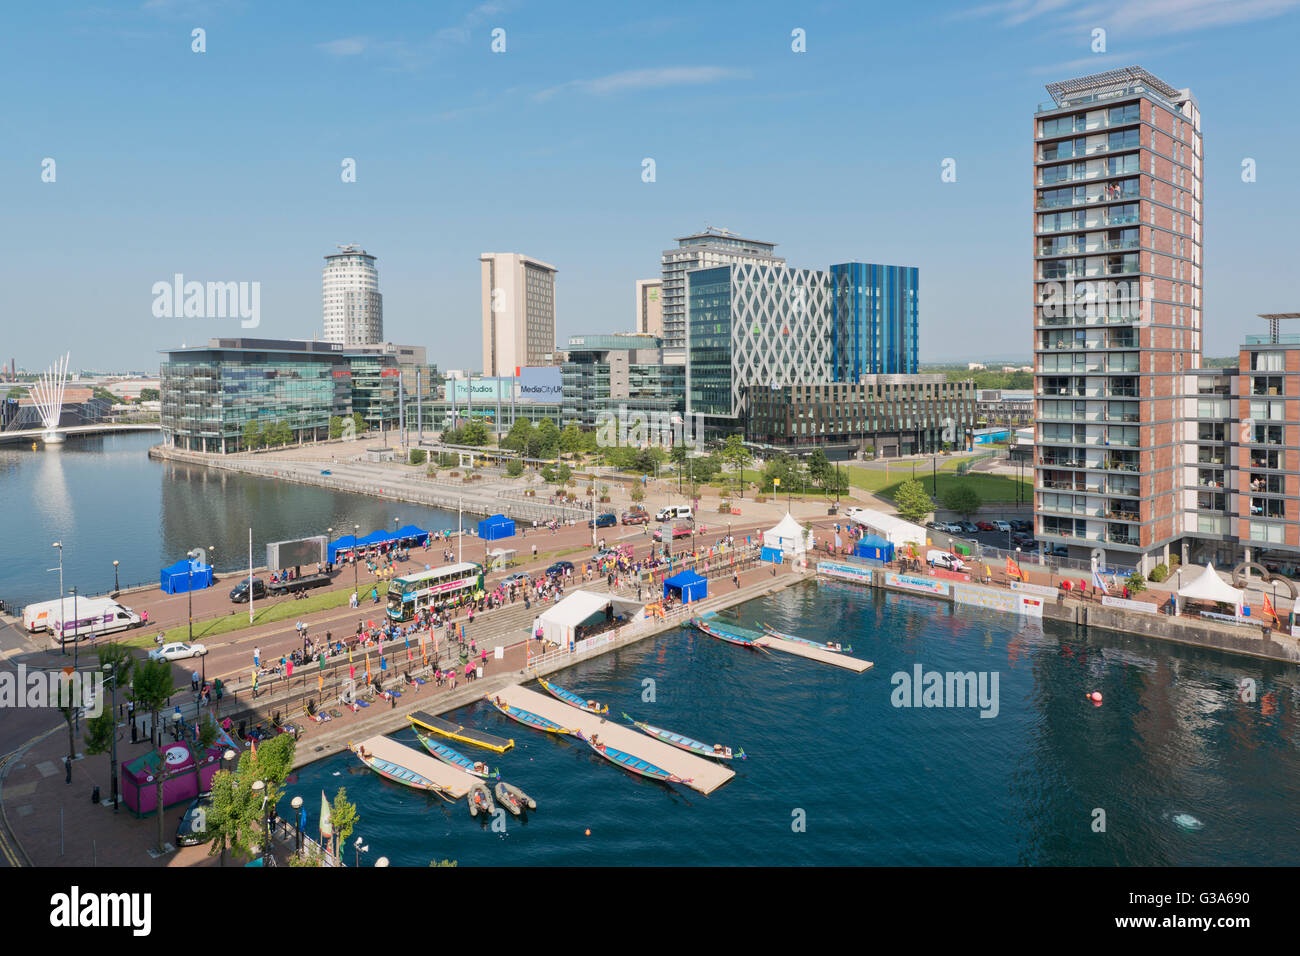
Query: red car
[(985, 526), (635, 517)]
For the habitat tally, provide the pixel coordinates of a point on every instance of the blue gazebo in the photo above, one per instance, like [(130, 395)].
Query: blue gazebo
[(689, 586), (874, 548), (186, 574), (496, 527)]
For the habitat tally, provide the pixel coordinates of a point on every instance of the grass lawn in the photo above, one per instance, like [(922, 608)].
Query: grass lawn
[(282, 610), (990, 488)]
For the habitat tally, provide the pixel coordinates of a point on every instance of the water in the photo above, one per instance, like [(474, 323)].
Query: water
[(1185, 772), (106, 500)]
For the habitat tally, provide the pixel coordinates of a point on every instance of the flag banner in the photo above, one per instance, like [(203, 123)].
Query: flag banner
[(1013, 569), (1100, 582)]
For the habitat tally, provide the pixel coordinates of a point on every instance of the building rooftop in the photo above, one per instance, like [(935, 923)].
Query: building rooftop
[(1111, 84)]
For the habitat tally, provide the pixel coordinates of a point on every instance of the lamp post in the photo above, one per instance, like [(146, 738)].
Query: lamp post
[(110, 676), (59, 544), (197, 555), (356, 587), (226, 757), (76, 640), (115, 590), (360, 848), (296, 803), (259, 787)]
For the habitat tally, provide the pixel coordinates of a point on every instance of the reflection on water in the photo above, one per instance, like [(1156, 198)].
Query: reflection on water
[(106, 500)]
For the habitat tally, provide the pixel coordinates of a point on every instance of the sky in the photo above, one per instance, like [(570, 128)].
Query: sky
[(226, 165)]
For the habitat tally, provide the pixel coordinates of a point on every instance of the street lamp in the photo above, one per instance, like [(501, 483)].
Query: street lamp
[(59, 544), (112, 677), (197, 555), (356, 587), (76, 641), (115, 588), (360, 848), (259, 787), (296, 803)]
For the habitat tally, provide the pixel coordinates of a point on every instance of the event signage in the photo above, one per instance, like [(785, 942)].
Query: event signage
[(540, 384), (1041, 589), (909, 582), (845, 572), (1144, 607), (995, 599)]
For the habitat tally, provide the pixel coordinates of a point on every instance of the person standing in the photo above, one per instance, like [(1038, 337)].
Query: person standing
[(257, 657)]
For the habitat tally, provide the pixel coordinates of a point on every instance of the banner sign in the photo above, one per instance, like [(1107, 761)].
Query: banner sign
[(845, 572), (1142, 606), (540, 384), (995, 599), (909, 582), (1042, 589)]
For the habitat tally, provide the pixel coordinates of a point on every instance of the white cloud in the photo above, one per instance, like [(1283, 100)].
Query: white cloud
[(647, 79), (1148, 17), (349, 46)]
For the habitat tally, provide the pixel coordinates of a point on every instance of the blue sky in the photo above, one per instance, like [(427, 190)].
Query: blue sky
[(225, 165)]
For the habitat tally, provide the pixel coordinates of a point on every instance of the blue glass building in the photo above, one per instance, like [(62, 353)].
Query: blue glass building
[(874, 320)]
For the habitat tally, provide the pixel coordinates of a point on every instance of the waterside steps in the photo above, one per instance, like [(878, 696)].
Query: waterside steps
[(789, 647), (456, 782), (702, 775)]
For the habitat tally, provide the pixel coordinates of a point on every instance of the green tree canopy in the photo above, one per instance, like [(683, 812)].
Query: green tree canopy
[(519, 436), (912, 500), (548, 439), (962, 499)]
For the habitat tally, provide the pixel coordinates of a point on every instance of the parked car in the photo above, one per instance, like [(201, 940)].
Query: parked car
[(969, 527), (677, 511), (1021, 525), (178, 651), (519, 577), (1057, 550), (944, 559), (1029, 545), (1001, 526), (636, 516), (239, 593), (932, 525), (192, 828), (559, 567), (985, 525), (950, 528), (607, 520)]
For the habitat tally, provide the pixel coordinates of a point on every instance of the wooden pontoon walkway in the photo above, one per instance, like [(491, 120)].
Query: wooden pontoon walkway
[(459, 732), (704, 775), (791, 647), (456, 781)]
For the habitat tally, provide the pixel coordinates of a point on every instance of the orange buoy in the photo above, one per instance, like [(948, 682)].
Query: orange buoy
[(588, 833)]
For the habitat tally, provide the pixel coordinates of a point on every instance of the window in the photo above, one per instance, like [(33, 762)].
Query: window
[(1267, 361)]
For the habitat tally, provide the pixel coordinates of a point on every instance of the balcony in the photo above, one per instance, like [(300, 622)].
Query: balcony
[(1129, 540), (1060, 462)]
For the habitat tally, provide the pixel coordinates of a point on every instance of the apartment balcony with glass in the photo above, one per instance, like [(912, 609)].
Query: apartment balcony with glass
[(1102, 191), (1088, 170), (1122, 534), (1083, 146), (1085, 122), (1089, 267), (1060, 457), (1080, 220), (1114, 240)]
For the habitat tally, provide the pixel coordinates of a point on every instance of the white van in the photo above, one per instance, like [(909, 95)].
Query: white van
[(37, 617), (94, 616), (944, 559), (673, 512)]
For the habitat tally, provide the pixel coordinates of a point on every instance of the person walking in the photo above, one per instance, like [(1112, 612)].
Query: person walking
[(257, 657)]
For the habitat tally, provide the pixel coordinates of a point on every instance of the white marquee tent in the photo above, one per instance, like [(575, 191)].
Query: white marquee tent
[(787, 537), (1208, 586), (894, 530), (560, 622)]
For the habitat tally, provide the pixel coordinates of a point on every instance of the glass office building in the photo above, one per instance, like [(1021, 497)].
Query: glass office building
[(874, 321), (607, 374)]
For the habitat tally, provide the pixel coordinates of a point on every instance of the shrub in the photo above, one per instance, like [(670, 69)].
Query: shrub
[(514, 468), (1136, 582), (760, 499), (1158, 573), (724, 507), (418, 456)]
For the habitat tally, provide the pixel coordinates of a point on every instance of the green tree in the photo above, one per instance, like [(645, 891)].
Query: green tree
[(253, 437), (735, 452), (237, 811), (283, 433), (152, 686), (548, 439), (358, 423), (418, 456), (819, 468), (336, 426), (520, 434), (563, 473), (514, 468), (98, 738), (571, 439), (150, 395), (912, 500), (1136, 582), (343, 817), (962, 499), (474, 433), (637, 493)]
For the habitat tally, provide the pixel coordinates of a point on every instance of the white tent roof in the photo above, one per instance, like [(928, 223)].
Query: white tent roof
[(894, 529), (1208, 586), (580, 605), (788, 535)]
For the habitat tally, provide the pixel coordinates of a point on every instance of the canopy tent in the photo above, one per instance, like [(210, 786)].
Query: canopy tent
[(496, 526), (875, 548), (375, 537), (688, 585), (185, 574), (561, 622), (894, 530), (788, 537), (1208, 586), (345, 543), (412, 533)]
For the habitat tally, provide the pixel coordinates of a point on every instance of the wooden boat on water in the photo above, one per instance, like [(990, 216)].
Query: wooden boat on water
[(590, 706), (456, 759), (480, 801), (828, 646), (682, 742), (721, 635), (527, 717), (629, 762), (399, 774), (459, 732)]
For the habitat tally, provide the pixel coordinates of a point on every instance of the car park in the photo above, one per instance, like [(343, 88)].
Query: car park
[(177, 651)]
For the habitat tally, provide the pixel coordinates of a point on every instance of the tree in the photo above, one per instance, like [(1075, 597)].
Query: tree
[(473, 433), (514, 468), (343, 817), (358, 423), (637, 493), (236, 814), (152, 686), (571, 439), (1136, 582), (519, 436), (961, 498), (734, 451), (548, 439), (150, 395), (282, 433), (819, 468), (912, 500), (252, 435), (418, 456), (336, 426), (98, 738)]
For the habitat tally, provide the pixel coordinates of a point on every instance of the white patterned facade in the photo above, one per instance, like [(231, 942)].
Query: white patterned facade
[(352, 306), (755, 324)]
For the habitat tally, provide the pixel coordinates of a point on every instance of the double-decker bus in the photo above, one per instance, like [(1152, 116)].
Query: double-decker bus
[(415, 592)]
